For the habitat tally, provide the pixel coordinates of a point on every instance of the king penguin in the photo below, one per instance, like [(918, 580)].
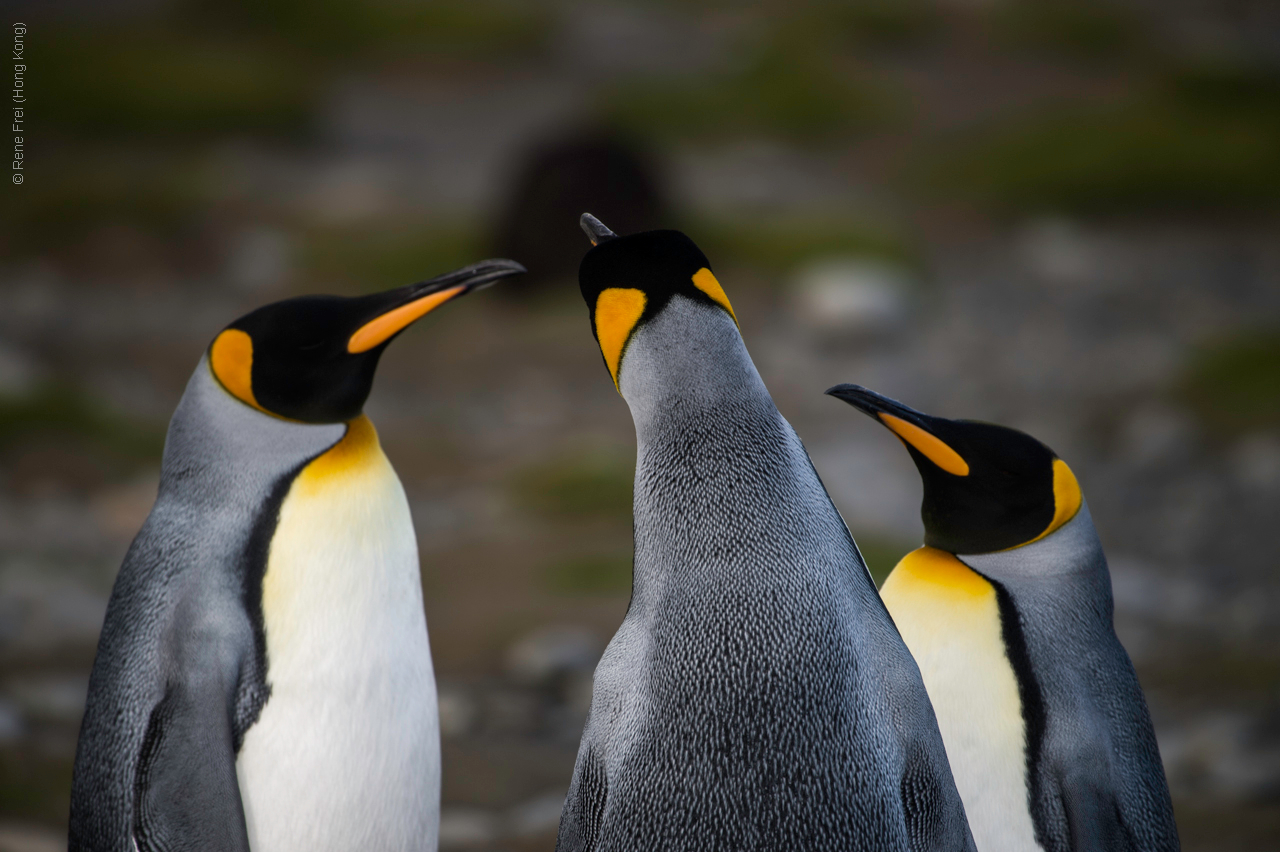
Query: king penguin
[(1007, 608), (756, 695), (263, 678)]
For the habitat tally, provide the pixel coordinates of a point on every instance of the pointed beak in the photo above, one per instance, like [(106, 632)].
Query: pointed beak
[(911, 426), (595, 230), (401, 308), (873, 404)]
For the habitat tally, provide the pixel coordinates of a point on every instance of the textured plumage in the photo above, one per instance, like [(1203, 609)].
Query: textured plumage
[(263, 678), (1045, 723), (757, 695)]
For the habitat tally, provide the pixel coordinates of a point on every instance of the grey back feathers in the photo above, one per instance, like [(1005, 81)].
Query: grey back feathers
[(180, 671), (757, 695), (1095, 777)]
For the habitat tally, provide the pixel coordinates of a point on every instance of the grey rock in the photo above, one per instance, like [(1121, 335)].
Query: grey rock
[(539, 657), (851, 296), (462, 828), (53, 697), (16, 837), (536, 816), (457, 712)]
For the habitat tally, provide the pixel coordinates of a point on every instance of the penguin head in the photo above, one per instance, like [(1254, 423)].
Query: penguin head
[(986, 487), (628, 281), (312, 358)]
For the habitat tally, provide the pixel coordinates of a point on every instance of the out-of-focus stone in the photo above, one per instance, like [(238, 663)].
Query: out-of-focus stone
[(12, 726), (457, 712), (15, 837), (1255, 461), (461, 828), (536, 816), (1154, 435), (121, 510), (259, 259), (541, 656), (1057, 250), (55, 697), (19, 372), (1225, 756), (850, 296), (39, 614)]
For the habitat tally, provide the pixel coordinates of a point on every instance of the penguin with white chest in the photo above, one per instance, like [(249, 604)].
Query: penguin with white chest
[(1008, 610), (757, 695), (263, 679)]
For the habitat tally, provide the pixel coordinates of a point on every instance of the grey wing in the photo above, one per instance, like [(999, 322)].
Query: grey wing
[(584, 806), (155, 763), (185, 791), (1093, 816)]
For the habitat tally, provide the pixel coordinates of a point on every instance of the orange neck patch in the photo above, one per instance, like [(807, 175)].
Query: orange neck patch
[(231, 359), (356, 449), (930, 446), (940, 570), (707, 283)]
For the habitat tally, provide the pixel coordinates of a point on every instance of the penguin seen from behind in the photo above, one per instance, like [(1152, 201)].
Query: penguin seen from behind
[(263, 679), (1008, 610), (757, 695)]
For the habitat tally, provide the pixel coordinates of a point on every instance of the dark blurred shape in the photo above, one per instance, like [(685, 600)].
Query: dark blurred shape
[(585, 170)]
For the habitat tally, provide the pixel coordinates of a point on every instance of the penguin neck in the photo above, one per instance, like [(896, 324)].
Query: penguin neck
[(217, 446), (1071, 550), (686, 366), (724, 491)]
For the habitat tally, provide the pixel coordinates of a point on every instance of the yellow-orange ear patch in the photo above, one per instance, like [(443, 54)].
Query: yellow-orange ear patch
[(618, 310), (380, 329), (930, 446), (231, 359), (1067, 498), (707, 283)]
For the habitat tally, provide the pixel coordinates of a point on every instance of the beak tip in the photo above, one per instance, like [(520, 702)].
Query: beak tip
[(596, 231)]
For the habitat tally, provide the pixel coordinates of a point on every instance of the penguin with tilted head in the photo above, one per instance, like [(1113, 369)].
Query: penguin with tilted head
[(757, 695), (1007, 609), (263, 679)]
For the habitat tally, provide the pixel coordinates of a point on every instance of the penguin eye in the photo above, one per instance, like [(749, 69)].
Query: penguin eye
[(310, 347)]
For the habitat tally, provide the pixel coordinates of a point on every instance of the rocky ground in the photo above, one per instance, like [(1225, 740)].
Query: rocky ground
[(1119, 340)]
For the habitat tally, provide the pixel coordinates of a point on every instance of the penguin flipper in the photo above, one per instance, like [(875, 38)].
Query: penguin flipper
[(934, 822), (1093, 817), (584, 806), (186, 793)]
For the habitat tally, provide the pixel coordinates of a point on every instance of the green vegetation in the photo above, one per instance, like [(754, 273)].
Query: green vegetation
[(207, 68), (378, 258), (881, 554), (62, 410), (1203, 138), (797, 83), (338, 28), (780, 245), (1084, 29), (601, 574), (876, 23), (34, 786), (154, 82), (799, 98), (83, 191), (1233, 385), (592, 486)]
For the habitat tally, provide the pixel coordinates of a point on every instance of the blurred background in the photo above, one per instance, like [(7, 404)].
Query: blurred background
[(1056, 214)]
